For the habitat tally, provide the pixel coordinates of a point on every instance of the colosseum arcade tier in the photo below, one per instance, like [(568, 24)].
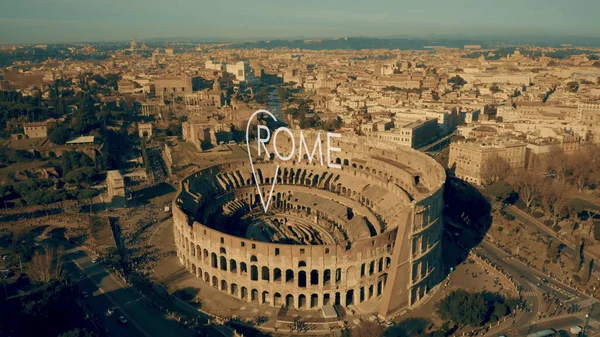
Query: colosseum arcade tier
[(369, 231)]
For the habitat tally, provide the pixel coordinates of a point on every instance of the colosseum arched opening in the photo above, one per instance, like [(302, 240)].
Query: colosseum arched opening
[(368, 232)]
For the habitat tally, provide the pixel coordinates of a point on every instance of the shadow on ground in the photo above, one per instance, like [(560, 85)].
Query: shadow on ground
[(467, 218)]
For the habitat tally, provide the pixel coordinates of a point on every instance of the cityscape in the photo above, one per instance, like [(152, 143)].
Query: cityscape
[(338, 170)]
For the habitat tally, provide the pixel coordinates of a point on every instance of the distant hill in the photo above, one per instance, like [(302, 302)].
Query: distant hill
[(357, 43)]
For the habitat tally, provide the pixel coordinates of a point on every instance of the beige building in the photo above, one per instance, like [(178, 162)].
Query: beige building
[(589, 113), (145, 130), (477, 162), (126, 86), (173, 86), (36, 130), (412, 134), (116, 188)]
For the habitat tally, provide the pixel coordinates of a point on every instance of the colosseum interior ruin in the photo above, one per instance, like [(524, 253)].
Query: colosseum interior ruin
[(366, 234)]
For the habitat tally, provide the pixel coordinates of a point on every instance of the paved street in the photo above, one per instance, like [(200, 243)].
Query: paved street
[(533, 287), (106, 292)]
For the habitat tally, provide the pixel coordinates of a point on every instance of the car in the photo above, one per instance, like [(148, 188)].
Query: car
[(109, 312), (122, 320), (94, 260), (84, 294)]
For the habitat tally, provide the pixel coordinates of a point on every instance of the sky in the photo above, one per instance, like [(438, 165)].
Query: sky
[(57, 21)]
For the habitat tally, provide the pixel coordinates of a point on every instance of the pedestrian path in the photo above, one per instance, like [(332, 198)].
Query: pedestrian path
[(529, 293)]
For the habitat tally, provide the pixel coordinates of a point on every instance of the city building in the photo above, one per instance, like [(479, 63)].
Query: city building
[(477, 162), (173, 86), (36, 130), (117, 192), (414, 134)]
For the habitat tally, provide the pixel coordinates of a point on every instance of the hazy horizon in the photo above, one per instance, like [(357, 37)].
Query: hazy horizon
[(69, 21)]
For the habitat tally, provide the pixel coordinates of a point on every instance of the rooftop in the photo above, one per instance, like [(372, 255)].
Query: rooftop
[(81, 140)]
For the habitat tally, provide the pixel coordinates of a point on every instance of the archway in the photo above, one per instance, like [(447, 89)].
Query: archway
[(265, 273), (302, 301), (289, 275), (266, 298), (289, 300), (349, 297), (254, 273), (314, 277), (277, 299), (314, 300), (302, 279)]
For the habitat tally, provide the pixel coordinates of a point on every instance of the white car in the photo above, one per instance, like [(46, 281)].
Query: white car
[(109, 312), (122, 320), (94, 260), (84, 294)]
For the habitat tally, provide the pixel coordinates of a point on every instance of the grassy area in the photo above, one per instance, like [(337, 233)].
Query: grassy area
[(101, 233)]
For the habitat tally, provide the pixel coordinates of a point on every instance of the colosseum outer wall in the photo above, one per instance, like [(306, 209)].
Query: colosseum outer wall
[(401, 265)]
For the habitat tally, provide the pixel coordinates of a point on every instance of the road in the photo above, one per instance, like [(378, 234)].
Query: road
[(533, 288), (561, 323), (106, 292), (529, 220)]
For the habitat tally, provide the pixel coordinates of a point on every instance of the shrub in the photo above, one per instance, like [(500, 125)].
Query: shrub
[(500, 229), (509, 217), (548, 223), (538, 214), (576, 278), (556, 228)]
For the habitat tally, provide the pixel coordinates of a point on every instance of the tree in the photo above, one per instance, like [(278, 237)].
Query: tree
[(4, 283), (494, 169), (527, 184), (586, 273), (501, 191), (553, 251), (83, 175), (60, 135), (88, 194), (556, 160), (368, 329), (46, 265), (463, 308), (457, 82), (554, 202), (572, 86), (5, 191), (582, 170)]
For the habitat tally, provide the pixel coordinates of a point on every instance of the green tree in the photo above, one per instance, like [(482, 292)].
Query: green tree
[(463, 308), (60, 135), (5, 192), (572, 86), (83, 175)]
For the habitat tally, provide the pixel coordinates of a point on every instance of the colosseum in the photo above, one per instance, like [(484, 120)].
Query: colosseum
[(367, 232)]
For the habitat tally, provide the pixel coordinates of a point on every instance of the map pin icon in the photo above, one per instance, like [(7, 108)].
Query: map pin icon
[(265, 205)]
